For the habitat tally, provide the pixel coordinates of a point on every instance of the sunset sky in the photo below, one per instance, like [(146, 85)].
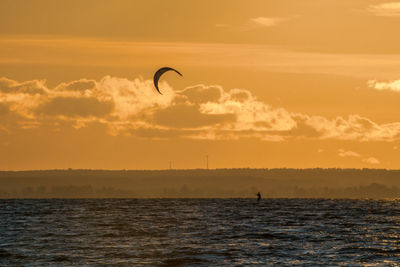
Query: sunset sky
[(277, 83)]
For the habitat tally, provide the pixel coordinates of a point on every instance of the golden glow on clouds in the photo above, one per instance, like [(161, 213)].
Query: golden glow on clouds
[(346, 154), (266, 22), (391, 9), (391, 86), (131, 107), (304, 83), (371, 160), (349, 153)]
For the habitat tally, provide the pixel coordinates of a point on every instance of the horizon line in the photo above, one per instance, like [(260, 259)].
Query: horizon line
[(197, 169)]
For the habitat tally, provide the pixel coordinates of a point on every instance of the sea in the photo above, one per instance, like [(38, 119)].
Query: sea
[(199, 232)]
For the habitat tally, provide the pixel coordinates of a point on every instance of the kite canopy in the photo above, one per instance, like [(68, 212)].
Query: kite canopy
[(159, 73)]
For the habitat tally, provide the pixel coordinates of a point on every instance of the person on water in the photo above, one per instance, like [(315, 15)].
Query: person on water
[(259, 197)]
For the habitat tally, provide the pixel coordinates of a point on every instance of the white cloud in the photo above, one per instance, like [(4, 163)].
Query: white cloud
[(132, 107), (266, 21), (343, 153), (392, 86), (391, 9), (371, 160)]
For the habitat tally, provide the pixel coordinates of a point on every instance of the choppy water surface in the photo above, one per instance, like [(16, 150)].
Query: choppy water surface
[(199, 232)]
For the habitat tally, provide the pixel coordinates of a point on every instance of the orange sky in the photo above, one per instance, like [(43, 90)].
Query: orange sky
[(283, 83)]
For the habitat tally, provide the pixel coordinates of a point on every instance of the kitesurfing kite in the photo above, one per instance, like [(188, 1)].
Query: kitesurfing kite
[(159, 73)]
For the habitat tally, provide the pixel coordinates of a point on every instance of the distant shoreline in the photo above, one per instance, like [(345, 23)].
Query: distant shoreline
[(202, 183), (195, 169)]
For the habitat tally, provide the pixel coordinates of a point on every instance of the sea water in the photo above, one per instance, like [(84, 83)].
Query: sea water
[(199, 232)]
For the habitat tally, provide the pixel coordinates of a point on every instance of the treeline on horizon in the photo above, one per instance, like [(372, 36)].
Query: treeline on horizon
[(202, 183)]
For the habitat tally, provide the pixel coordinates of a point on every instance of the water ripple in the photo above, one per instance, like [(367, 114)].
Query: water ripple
[(199, 232)]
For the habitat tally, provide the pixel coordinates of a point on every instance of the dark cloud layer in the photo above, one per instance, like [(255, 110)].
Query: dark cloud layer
[(73, 107), (202, 94), (29, 87), (80, 85), (189, 117)]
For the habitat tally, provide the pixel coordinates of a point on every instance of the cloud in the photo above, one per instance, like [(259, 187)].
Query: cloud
[(202, 93), (391, 9), (187, 116), (132, 107), (343, 153), (79, 85), (254, 23), (265, 21), (28, 87), (354, 127), (371, 160), (391, 86), (76, 107), (3, 109), (303, 128)]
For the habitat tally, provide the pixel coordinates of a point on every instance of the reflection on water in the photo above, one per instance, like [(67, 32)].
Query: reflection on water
[(199, 232)]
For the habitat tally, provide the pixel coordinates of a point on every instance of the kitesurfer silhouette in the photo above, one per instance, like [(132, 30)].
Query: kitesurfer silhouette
[(259, 197), (158, 74)]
